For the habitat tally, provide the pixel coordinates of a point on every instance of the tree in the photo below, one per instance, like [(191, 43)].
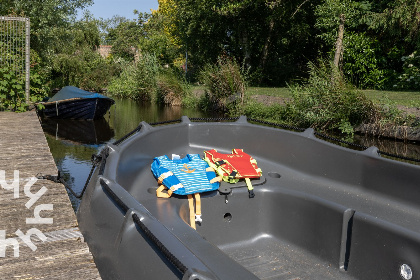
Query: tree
[(397, 19), (45, 15), (155, 40), (357, 48), (267, 37)]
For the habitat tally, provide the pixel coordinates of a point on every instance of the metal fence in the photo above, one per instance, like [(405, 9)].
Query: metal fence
[(15, 47)]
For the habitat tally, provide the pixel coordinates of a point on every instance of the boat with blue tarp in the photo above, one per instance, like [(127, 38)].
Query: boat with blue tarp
[(74, 103)]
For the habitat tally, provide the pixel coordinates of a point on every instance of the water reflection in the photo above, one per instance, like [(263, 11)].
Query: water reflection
[(396, 147), (88, 132), (73, 143)]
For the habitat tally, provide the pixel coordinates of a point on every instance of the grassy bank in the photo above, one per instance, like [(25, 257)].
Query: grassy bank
[(404, 98)]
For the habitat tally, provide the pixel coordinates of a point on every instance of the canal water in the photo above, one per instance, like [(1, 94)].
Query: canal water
[(72, 142)]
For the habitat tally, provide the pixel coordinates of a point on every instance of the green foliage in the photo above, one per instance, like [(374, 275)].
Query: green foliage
[(155, 39), (37, 90), (172, 89), (328, 15), (82, 68), (12, 91), (138, 80), (409, 79), (273, 113), (397, 21), (125, 38), (225, 84), (361, 65), (77, 62), (272, 38), (328, 102), (45, 16)]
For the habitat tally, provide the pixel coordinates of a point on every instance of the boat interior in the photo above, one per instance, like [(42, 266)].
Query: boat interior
[(320, 211)]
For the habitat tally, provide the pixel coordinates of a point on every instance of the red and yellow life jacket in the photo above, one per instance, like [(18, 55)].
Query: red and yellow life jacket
[(233, 167)]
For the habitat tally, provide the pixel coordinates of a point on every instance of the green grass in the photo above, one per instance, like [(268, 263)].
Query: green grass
[(405, 98), (269, 91)]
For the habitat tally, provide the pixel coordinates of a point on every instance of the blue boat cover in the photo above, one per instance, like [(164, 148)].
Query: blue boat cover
[(70, 92)]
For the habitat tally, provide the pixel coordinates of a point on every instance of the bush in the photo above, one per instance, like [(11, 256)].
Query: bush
[(361, 65), (410, 77), (12, 91), (328, 102), (172, 89), (272, 113), (138, 80), (225, 84)]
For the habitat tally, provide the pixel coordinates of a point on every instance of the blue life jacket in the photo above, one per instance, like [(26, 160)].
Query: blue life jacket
[(184, 176)]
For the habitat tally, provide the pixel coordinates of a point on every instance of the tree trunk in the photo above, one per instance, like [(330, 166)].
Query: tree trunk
[(246, 51), (339, 43), (267, 45)]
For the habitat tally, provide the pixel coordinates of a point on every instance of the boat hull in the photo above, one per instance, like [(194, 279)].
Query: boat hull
[(81, 108), (322, 211)]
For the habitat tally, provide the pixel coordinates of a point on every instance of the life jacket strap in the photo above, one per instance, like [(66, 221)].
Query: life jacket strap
[(197, 208), (250, 187), (160, 192), (216, 179), (192, 214)]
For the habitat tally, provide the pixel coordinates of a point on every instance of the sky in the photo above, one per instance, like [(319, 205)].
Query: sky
[(108, 8)]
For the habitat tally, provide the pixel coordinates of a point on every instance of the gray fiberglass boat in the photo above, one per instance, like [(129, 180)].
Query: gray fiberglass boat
[(320, 211)]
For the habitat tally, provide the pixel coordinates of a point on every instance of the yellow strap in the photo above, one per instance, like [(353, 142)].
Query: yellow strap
[(216, 179), (197, 204), (192, 214), (248, 184), (160, 193)]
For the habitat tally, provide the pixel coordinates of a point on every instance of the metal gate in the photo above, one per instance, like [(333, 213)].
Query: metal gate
[(15, 47)]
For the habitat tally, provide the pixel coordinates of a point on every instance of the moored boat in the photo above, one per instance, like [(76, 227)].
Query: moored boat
[(320, 211), (74, 103)]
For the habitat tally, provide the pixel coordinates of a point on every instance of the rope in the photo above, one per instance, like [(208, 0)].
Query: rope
[(362, 147), (114, 197), (96, 159), (213, 119), (398, 156), (283, 126), (330, 138), (166, 122), (122, 139)]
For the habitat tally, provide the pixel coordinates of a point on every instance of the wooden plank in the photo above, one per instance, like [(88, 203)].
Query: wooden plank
[(58, 251)]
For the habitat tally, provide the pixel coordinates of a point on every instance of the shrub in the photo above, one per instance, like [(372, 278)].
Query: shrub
[(273, 113), (328, 102), (12, 91), (361, 64), (225, 84), (172, 89), (410, 77), (138, 80)]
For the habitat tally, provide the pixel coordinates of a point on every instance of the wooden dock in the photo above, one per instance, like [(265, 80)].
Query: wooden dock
[(58, 250)]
